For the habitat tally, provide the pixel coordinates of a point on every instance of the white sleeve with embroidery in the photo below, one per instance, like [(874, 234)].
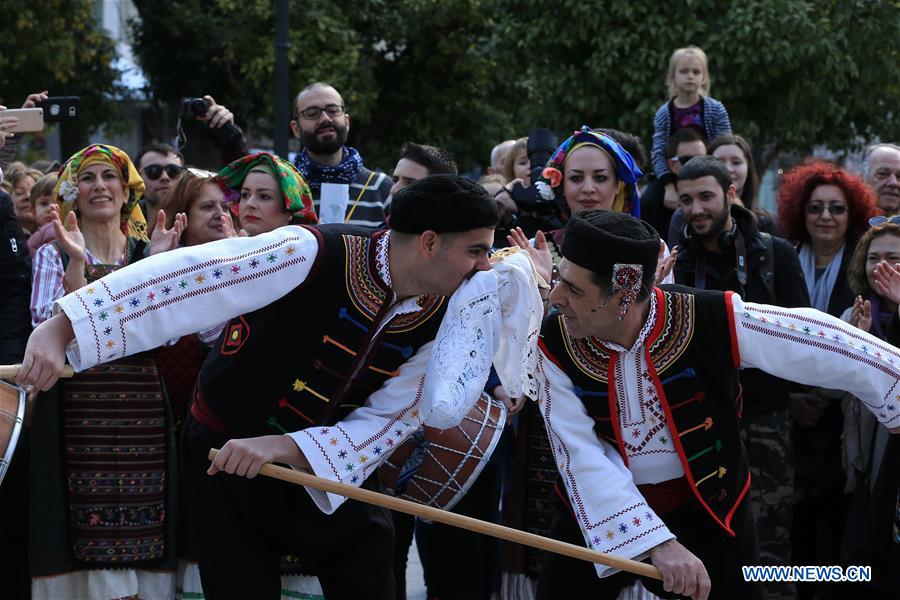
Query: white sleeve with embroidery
[(349, 451), (611, 512), (814, 348), (165, 296)]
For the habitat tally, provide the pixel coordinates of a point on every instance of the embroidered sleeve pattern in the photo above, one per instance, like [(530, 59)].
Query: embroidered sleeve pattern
[(353, 449), (814, 348), (183, 291), (612, 513)]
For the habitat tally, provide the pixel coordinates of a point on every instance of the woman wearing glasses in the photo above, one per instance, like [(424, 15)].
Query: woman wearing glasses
[(824, 210)]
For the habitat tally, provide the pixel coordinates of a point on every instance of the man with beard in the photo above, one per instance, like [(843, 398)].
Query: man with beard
[(321, 123), (882, 173), (723, 250), (639, 390)]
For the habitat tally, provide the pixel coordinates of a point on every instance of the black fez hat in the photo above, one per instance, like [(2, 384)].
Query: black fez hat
[(444, 204), (599, 239)]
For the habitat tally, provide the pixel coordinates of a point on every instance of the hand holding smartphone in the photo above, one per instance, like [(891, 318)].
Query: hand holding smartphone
[(60, 108), (29, 119)]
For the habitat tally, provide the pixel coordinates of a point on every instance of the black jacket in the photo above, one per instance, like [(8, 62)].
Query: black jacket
[(652, 208), (763, 393), (15, 285)]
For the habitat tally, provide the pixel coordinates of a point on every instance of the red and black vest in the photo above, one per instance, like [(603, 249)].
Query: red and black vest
[(693, 358), (316, 354)]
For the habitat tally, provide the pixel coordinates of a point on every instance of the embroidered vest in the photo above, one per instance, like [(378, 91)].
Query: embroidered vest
[(691, 356), (316, 354)]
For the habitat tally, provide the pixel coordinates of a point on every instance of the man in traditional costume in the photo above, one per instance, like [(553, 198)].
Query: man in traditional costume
[(326, 316), (640, 394)]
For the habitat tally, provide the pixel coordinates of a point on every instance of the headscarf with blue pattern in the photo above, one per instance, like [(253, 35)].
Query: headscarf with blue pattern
[(627, 172)]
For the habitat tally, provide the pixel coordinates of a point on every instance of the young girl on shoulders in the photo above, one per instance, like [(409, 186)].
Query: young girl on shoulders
[(689, 106)]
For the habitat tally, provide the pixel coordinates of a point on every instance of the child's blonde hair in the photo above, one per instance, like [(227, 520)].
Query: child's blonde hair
[(43, 187), (685, 52)]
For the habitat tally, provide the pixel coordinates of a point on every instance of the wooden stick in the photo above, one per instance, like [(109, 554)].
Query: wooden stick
[(455, 520), (11, 371)]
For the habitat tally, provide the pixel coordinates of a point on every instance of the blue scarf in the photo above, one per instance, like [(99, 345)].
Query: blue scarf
[(820, 290), (316, 173)]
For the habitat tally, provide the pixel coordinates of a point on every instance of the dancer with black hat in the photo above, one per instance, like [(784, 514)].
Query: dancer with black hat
[(640, 396), (327, 315)]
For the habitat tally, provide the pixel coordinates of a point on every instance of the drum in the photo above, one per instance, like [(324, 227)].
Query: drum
[(436, 467), (12, 415)]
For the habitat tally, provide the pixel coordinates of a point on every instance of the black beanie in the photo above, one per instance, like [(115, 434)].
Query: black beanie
[(443, 204), (598, 239)]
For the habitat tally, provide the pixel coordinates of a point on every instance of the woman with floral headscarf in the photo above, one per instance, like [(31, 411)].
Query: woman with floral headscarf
[(266, 192), (587, 171), (106, 440), (263, 192)]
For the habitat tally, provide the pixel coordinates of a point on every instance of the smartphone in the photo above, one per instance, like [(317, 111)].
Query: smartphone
[(30, 119), (60, 108)]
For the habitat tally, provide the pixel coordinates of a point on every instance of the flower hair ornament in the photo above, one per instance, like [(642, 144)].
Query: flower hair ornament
[(68, 190), (627, 278)]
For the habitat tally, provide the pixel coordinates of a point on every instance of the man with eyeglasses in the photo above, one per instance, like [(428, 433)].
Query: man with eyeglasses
[(352, 193), (657, 203), (882, 173), (723, 250)]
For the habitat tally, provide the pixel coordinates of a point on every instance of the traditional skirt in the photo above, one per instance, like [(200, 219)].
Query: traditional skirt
[(104, 484)]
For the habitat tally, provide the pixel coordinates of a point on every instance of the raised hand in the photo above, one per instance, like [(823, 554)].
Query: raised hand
[(69, 237), (887, 281), (216, 115), (861, 314), (539, 253), (228, 222), (163, 239), (32, 99), (665, 265), (6, 123)]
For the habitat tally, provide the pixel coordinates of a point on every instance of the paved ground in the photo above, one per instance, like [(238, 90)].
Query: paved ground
[(415, 582)]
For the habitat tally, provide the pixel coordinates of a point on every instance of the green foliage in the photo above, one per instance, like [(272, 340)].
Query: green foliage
[(57, 45), (225, 48), (792, 73), (433, 71), (465, 74)]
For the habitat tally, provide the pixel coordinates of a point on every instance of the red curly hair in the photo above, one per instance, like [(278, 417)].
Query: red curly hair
[(798, 184)]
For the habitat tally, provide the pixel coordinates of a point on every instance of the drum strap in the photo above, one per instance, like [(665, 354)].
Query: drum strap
[(413, 463)]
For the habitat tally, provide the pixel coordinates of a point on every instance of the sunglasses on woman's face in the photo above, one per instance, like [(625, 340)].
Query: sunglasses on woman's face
[(835, 208), (154, 172), (876, 221)]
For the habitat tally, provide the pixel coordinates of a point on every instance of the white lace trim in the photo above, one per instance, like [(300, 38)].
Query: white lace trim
[(493, 318)]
